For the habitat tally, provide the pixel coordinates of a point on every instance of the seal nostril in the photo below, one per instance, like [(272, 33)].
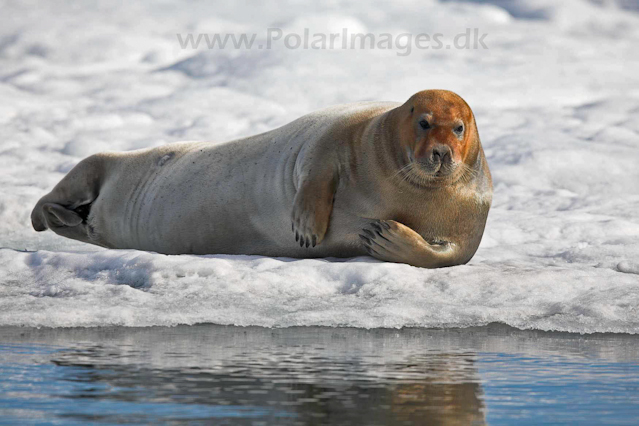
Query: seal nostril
[(441, 154)]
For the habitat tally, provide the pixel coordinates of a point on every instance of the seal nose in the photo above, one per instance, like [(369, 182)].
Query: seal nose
[(441, 154)]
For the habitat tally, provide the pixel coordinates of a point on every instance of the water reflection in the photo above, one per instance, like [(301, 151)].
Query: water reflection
[(282, 385), (205, 373), (310, 376)]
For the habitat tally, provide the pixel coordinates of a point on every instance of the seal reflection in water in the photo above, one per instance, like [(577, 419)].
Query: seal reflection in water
[(404, 183)]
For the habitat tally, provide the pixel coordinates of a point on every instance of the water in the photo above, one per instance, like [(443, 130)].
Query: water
[(222, 375)]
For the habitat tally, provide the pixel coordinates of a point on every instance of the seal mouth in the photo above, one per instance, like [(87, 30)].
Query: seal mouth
[(443, 170), (425, 174), (414, 174)]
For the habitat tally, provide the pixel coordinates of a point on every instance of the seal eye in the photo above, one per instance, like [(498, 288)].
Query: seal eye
[(459, 129), (424, 124)]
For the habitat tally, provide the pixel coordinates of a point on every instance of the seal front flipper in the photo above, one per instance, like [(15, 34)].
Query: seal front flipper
[(312, 208), (392, 241)]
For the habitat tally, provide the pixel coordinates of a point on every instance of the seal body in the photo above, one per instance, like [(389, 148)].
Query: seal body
[(330, 184)]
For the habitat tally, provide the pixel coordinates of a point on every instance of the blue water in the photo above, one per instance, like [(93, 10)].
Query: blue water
[(254, 376), (555, 390)]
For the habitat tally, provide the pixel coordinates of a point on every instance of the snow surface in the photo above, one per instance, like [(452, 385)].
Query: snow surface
[(556, 98)]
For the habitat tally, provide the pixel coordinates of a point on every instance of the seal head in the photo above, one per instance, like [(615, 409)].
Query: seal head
[(438, 138)]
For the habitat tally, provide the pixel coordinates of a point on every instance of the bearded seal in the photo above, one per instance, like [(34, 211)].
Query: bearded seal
[(405, 183)]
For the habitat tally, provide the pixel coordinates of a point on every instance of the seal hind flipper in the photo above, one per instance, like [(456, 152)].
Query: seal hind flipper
[(65, 210), (56, 215)]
